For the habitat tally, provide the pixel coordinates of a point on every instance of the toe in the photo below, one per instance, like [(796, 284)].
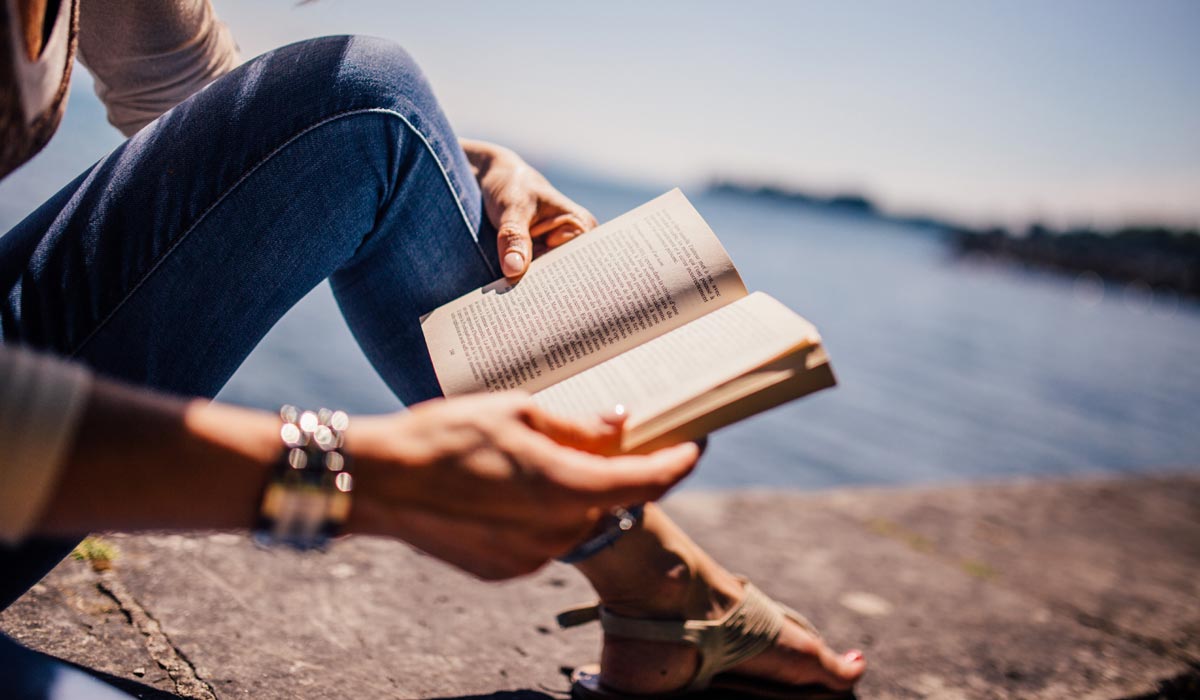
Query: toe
[(842, 671)]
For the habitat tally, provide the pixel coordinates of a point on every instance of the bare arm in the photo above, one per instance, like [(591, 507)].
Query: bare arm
[(143, 460), (487, 483)]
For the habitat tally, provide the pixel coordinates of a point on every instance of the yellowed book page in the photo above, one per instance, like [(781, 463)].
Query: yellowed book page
[(796, 374), (636, 277), (678, 366)]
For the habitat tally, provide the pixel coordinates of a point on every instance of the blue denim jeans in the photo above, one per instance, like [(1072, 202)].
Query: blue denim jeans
[(166, 262)]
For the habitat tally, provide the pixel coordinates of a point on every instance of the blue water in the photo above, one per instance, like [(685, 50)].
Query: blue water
[(949, 370)]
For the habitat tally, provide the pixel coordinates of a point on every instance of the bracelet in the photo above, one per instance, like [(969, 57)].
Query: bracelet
[(307, 499), (615, 524)]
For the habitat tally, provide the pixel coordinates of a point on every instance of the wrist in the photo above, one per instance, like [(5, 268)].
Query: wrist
[(237, 461), (385, 457), (255, 442)]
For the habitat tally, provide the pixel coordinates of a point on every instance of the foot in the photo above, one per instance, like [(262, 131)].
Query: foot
[(641, 667), (657, 572)]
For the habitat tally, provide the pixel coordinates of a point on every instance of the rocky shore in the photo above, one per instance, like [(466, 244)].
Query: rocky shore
[(1154, 258), (1071, 589)]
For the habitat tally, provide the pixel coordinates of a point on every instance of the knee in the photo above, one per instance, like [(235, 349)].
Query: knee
[(339, 74), (379, 73)]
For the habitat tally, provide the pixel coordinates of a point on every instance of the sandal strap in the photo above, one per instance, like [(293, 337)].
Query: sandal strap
[(744, 632), (799, 619), (573, 617)]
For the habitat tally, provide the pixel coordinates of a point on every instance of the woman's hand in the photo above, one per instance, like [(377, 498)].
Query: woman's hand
[(522, 206), (493, 484)]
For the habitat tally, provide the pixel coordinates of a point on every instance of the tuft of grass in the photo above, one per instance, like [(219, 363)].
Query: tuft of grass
[(97, 552), (978, 569), (920, 543), (895, 531)]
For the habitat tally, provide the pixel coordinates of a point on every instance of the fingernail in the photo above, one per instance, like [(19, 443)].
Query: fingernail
[(615, 416), (853, 656), (514, 263)]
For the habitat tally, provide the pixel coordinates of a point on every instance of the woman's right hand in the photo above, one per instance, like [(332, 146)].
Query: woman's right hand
[(495, 485)]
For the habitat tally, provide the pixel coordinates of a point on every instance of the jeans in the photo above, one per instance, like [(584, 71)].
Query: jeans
[(166, 262)]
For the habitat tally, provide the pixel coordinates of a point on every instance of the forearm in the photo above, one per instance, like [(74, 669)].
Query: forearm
[(145, 461)]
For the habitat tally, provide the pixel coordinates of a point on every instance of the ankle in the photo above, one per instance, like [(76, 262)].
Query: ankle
[(656, 570), (663, 590), (671, 585)]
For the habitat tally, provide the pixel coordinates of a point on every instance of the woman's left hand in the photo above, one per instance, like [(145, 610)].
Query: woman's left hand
[(522, 205)]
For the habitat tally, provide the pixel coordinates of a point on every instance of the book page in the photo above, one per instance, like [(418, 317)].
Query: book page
[(796, 374), (678, 366), (636, 277)]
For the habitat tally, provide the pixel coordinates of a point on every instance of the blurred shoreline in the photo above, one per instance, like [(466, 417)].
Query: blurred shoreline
[(1148, 258)]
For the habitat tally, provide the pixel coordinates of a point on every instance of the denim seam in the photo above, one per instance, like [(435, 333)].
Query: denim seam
[(203, 215)]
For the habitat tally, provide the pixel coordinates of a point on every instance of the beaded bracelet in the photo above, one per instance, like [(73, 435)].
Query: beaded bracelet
[(307, 499), (618, 522)]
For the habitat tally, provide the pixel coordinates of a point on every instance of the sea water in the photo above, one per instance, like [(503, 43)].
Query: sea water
[(948, 369)]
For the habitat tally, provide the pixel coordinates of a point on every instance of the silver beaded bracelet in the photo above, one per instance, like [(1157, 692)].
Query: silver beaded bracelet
[(307, 500)]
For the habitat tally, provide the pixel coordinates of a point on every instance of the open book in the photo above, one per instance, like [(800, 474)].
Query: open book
[(646, 311)]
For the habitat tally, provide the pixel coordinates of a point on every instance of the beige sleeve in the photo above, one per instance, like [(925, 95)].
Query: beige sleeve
[(149, 55), (41, 402)]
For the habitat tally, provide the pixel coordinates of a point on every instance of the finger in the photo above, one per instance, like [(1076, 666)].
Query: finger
[(601, 435), (567, 221), (581, 214), (632, 480), (554, 203), (561, 235), (623, 480), (615, 416), (513, 241)]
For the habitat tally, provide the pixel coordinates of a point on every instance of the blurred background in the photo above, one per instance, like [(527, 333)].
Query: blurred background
[(988, 209)]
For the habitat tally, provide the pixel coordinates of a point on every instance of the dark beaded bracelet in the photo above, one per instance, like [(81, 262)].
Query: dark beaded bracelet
[(618, 522), (307, 499)]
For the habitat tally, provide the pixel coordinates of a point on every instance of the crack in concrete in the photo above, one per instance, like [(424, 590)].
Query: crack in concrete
[(164, 652)]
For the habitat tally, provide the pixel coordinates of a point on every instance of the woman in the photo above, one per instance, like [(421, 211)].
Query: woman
[(156, 272)]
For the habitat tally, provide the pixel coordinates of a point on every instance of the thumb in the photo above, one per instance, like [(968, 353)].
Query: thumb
[(514, 243)]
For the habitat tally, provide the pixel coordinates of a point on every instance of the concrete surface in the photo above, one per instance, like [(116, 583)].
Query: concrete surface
[(1076, 589)]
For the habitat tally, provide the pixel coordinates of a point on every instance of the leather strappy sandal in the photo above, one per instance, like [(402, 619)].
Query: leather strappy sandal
[(747, 630)]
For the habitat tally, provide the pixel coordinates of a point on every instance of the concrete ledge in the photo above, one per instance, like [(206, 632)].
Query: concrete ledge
[(1078, 589)]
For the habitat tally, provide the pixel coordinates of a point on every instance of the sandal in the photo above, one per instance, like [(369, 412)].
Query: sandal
[(747, 630)]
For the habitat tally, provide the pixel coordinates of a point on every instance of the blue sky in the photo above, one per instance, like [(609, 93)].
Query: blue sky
[(1082, 112)]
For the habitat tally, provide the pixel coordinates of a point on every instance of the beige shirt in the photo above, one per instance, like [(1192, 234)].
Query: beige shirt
[(146, 57), (149, 55), (41, 400)]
